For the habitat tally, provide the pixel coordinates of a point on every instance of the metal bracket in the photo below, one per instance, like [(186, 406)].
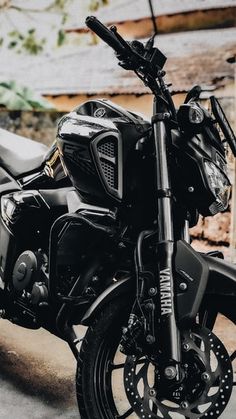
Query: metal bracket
[(162, 116)]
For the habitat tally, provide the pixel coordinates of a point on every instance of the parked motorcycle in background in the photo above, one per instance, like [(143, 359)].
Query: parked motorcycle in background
[(95, 232)]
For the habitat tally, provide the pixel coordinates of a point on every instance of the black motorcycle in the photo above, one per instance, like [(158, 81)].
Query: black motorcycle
[(95, 231)]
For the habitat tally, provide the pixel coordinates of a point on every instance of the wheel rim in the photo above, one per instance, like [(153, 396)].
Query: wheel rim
[(206, 387), (111, 365)]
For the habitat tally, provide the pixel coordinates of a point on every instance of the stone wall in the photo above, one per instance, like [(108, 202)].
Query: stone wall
[(39, 126), (214, 230)]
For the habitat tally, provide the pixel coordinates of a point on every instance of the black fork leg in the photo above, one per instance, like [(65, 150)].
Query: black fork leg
[(170, 339)]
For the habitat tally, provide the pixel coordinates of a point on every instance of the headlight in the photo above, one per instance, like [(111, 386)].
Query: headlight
[(219, 185), (196, 115)]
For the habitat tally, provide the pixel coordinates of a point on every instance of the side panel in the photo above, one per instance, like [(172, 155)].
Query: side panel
[(192, 277), (210, 281), (90, 149), (97, 142)]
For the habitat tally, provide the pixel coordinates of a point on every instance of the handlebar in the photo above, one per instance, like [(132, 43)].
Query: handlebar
[(106, 35), (147, 61)]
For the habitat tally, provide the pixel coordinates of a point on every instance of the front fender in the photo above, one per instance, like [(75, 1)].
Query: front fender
[(221, 287), (120, 287), (222, 277)]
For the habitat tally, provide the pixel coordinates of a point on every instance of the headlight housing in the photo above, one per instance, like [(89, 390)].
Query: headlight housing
[(219, 185), (192, 118)]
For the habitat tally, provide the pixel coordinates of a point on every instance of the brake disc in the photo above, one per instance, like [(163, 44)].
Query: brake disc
[(204, 390)]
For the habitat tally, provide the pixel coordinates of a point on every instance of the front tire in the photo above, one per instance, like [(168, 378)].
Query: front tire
[(98, 349)]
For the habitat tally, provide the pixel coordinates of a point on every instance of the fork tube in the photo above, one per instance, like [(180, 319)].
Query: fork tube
[(169, 335), (186, 235)]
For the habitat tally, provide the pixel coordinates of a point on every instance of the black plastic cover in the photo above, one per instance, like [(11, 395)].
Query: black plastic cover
[(97, 144), (190, 178), (192, 270)]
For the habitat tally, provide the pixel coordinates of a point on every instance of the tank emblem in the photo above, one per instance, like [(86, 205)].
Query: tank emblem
[(100, 113)]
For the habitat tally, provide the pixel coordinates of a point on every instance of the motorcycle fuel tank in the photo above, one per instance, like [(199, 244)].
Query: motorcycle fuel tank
[(96, 142)]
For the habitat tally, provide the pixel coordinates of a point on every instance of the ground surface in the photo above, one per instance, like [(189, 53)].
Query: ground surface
[(37, 374)]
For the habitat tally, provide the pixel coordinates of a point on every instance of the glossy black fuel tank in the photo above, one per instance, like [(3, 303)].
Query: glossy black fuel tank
[(97, 142)]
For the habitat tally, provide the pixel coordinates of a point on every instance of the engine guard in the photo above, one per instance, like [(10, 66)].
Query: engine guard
[(74, 235)]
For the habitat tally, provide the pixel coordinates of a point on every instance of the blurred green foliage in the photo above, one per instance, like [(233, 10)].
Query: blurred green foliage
[(16, 97), (28, 42), (95, 4)]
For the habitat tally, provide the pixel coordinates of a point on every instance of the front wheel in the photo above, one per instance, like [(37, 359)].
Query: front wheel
[(111, 385)]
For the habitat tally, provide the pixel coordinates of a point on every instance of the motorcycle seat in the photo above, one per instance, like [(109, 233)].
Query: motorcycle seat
[(20, 155)]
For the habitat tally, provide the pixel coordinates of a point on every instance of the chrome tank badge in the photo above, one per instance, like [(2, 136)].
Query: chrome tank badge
[(100, 113)]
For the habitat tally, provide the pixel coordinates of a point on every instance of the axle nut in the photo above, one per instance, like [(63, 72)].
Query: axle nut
[(170, 373), (184, 405), (205, 376), (152, 392)]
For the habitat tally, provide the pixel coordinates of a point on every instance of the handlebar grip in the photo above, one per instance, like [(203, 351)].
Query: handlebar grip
[(105, 34)]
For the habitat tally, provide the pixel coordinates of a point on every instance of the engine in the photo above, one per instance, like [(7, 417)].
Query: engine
[(30, 277)]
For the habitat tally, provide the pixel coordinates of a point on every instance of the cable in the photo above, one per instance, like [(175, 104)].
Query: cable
[(153, 17)]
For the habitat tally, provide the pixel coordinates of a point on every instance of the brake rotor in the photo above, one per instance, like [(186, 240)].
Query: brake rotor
[(203, 392)]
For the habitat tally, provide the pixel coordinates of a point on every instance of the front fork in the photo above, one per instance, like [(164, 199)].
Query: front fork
[(168, 333)]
